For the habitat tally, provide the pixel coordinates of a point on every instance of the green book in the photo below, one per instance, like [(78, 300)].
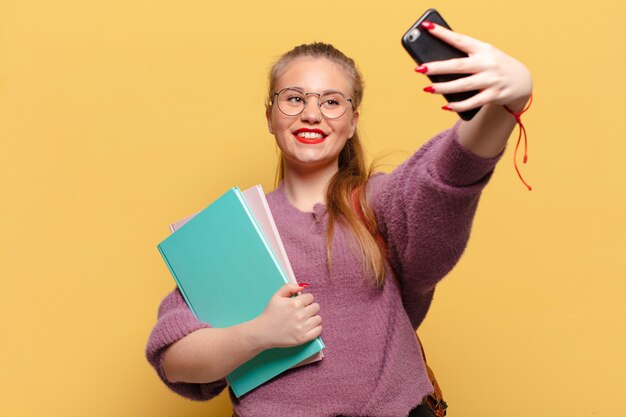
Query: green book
[(227, 273)]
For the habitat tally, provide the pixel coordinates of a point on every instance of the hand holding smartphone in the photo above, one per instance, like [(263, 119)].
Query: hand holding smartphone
[(425, 47)]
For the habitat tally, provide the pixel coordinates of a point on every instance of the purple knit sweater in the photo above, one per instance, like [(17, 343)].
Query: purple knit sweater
[(373, 363)]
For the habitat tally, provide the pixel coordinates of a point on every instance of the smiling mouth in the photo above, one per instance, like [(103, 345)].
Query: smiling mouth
[(309, 136)]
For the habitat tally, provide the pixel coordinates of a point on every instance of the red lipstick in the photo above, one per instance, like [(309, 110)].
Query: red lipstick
[(319, 136)]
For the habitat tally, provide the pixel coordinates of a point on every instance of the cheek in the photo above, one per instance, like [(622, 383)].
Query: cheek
[(276, 122), (279, 124), (282, 137), (345, 129)]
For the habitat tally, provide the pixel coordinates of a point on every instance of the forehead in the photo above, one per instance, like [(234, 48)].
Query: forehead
[(316, 75)]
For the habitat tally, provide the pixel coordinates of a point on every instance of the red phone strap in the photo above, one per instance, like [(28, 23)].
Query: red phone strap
[(522, 132)]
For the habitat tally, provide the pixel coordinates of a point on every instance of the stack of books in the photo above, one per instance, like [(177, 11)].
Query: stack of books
[(228, 260)]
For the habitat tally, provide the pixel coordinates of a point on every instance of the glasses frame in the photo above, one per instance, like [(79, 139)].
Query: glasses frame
[(319, 101)]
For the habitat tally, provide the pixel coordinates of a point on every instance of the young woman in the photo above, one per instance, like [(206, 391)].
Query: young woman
[(371, 302)]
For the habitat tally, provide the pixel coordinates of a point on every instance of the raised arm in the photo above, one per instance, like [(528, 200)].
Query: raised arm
[(425, 209)]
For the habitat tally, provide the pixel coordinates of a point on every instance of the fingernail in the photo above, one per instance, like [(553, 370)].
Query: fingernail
[(304, 284), (428, 25), (446, 107), (422, 69), (429, 89)]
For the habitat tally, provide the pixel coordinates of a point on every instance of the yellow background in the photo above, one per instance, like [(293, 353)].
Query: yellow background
[(119, 117)]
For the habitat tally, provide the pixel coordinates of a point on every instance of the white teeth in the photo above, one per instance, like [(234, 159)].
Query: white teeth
[(310, 135)]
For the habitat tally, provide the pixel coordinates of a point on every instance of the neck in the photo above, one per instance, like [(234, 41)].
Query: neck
[(306, 187)]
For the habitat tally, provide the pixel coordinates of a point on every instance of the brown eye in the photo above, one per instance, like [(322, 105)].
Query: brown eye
[(295, 99)]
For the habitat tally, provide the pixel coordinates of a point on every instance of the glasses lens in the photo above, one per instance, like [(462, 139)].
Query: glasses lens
[(333, 104), (291, 102)]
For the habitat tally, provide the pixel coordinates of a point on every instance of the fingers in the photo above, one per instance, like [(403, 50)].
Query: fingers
[(465, 43), (471, 83), (497, 77), (312, 309), (309, 323), (315, 330), (303, 300), (311, 328), (451, 66), (473, 102), (474, 83)]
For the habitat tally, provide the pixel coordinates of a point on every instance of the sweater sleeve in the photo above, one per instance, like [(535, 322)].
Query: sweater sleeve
[(175, 321), (424, 210)]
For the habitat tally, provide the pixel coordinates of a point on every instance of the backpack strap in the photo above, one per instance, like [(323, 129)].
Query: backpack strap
[(435, 400)]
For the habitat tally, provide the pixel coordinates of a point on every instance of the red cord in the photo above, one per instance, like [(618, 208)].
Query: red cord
[(522, 132)]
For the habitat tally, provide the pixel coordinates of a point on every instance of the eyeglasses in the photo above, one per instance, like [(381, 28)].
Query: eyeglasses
[(291, 101)]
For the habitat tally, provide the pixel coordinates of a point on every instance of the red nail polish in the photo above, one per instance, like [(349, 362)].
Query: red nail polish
[(422, 69), (446, 107), (428, 25), (429, 89), (304, 284)]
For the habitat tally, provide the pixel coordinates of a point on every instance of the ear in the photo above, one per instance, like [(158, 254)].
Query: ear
[(268, 117), (353, 124)]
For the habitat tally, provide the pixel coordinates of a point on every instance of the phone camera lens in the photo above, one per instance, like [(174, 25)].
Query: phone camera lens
[(414, 34)]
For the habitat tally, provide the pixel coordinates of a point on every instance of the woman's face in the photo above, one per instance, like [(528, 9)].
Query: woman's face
[(309, 140)]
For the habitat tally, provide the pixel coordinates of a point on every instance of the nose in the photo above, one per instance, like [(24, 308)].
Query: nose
[(311, 112)]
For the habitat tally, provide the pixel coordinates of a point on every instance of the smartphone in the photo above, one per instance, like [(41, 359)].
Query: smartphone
[(425, 47)]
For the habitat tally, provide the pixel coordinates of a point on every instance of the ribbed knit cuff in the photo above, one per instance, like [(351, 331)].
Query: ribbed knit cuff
[(175, 322), (170, 328)]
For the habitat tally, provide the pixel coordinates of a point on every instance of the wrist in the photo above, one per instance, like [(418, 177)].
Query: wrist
[(518, 105), (254, 336)]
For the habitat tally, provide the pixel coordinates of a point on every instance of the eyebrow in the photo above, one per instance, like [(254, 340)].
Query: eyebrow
[(323, 92)]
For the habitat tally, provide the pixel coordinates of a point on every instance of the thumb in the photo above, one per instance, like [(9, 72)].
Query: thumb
[(289, 289)]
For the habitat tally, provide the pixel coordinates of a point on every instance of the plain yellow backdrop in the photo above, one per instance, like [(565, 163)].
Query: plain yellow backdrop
[(119, 117)]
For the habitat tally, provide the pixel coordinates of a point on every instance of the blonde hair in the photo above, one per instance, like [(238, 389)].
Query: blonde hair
[(352, 171)]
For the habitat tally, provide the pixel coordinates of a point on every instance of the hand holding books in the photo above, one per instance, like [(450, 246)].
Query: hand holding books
[(289, 321)]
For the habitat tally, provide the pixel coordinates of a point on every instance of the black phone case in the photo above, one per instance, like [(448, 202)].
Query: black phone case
[(427, 48)]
